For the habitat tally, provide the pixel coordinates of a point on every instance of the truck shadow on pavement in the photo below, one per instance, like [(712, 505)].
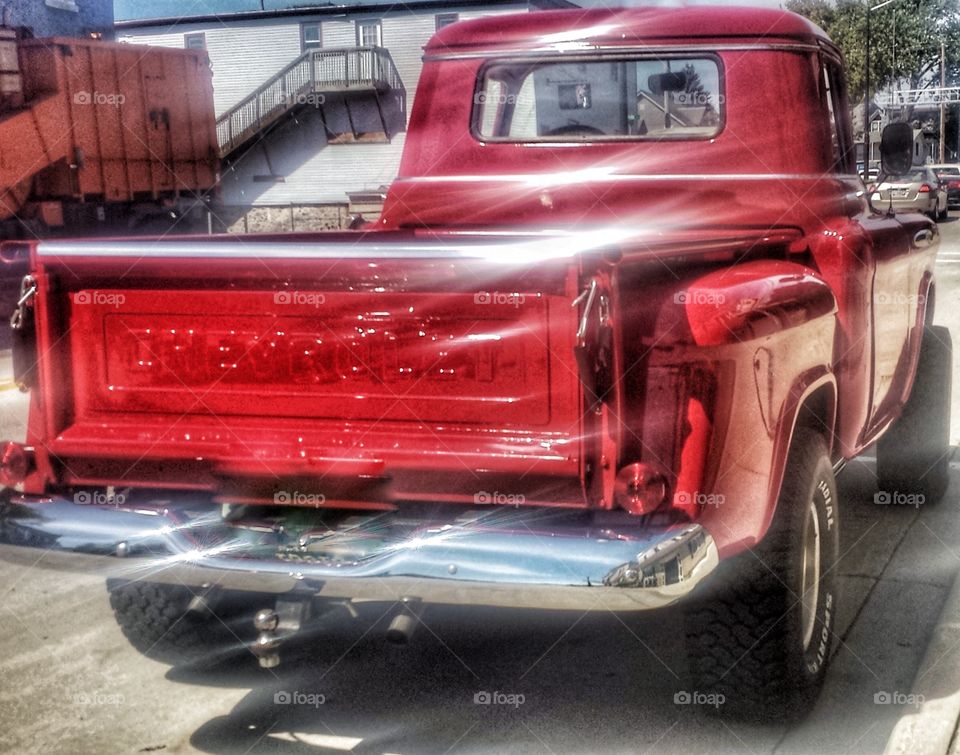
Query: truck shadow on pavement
[(503, 680)]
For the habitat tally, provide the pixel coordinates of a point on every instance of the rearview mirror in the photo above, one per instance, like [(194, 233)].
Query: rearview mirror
[(667, 82), (896, 149)]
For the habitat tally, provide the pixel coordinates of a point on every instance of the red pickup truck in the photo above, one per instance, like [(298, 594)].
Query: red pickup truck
[(625, 315)]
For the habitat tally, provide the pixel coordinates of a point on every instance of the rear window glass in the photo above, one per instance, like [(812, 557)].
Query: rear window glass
[(599, 99), (948, 171), (914, 176)]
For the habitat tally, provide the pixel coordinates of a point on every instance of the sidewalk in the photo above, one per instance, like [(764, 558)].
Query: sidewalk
[(6, 370), (931, 720)]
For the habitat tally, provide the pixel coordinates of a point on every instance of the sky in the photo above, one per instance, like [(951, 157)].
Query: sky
[(136, 9)]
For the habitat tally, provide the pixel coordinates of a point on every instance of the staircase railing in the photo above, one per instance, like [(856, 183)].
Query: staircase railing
[(314, 73)]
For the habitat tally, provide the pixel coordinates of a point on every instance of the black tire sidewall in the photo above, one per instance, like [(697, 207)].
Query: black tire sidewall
[(809, 476), (823, 492)]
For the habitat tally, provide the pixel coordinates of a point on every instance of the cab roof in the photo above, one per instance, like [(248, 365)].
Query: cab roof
[(565, 29)]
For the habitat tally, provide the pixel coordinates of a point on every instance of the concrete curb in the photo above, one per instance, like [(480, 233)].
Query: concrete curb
[(929, 728)]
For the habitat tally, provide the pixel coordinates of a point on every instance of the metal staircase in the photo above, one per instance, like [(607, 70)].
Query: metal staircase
[(306, 81)]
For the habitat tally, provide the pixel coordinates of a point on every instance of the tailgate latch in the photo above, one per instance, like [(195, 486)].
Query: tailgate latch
[(24, 336), (28, 289)]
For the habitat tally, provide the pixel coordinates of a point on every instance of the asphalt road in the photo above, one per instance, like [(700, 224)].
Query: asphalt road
[(596, 682)]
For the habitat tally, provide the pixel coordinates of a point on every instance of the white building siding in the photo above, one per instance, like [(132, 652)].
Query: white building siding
[(245, 54)]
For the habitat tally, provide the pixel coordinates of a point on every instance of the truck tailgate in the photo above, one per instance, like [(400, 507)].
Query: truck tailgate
[(365, 372)]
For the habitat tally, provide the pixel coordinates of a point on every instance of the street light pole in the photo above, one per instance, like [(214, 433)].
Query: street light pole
[(943, 105)]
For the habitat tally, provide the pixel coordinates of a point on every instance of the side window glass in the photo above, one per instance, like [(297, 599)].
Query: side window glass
[(835, 99)]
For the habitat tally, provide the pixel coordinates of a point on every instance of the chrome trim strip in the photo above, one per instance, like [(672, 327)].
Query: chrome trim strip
[(924, 239), (577, 177), (522, 558), (570, 49), (438, 249), (520, 248)]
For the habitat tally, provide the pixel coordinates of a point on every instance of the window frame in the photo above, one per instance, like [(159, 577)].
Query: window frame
[(833, 85), (442, 20), (366, 23), (201, 35), (303, 37), (599, 56)]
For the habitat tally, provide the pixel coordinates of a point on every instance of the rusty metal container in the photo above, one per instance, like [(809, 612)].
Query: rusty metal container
[(11, 82), (110, 122)]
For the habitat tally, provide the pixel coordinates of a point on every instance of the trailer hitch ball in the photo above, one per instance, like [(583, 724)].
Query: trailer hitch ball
[(267, 646), (266, 620)]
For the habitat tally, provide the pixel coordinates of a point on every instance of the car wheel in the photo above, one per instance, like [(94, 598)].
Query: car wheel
[(760, 632), (913, 456), (942, 214)]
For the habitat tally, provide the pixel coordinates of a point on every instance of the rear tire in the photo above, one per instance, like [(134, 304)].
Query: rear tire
[(913, 456), (749, 636)]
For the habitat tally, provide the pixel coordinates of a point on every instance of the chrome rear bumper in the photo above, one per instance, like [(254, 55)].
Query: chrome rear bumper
[(517, 557)]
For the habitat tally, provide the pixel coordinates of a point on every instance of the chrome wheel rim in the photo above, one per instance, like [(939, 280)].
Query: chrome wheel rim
[(810, 577)]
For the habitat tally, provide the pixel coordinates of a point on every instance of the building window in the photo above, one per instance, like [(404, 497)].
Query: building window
[(445, 19), (369, 33), (195, 41), (310, 38)]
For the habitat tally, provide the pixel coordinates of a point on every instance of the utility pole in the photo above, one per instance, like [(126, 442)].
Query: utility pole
[(866, 101), (943, 106)]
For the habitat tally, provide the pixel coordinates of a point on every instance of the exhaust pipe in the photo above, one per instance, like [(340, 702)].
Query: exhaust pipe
[(405, 623)]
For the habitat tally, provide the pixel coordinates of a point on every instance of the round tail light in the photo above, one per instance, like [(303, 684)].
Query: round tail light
[(640, 488), (15, 463)]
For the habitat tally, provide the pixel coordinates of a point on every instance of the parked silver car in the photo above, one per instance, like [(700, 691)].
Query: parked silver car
[(919, 190)]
